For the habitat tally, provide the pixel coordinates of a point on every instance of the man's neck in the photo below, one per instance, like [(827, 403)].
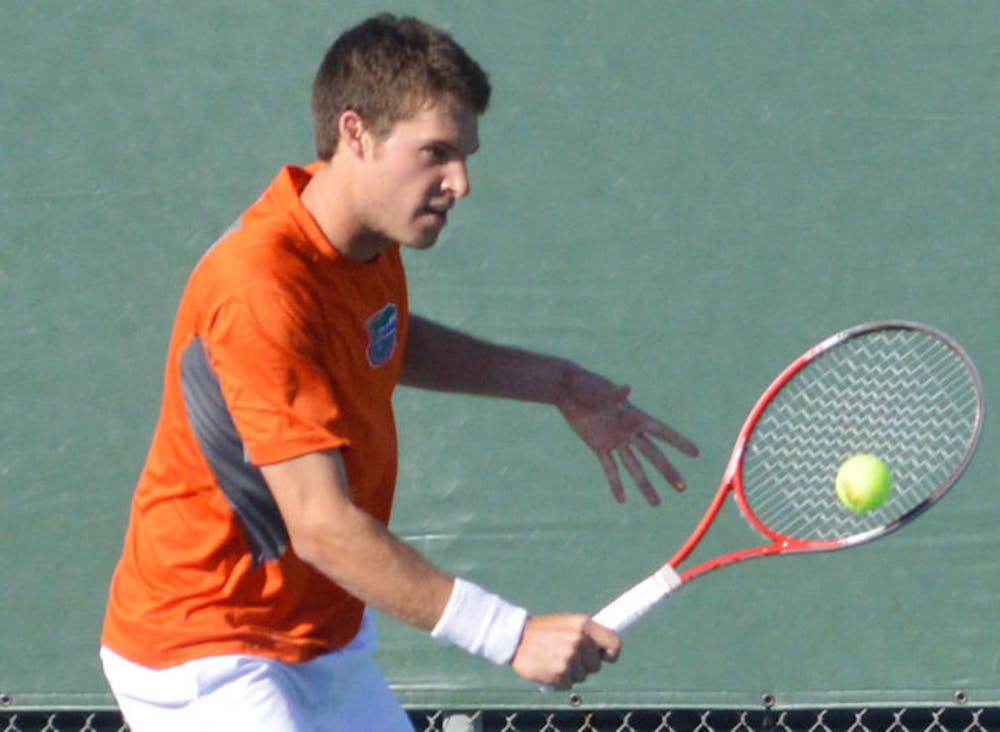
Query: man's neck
[(331, 207)]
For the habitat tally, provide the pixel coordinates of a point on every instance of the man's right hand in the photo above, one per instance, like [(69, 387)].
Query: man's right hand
[(562, 650)]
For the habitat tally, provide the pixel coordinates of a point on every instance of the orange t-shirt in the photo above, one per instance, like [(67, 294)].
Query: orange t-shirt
[(281, 347)]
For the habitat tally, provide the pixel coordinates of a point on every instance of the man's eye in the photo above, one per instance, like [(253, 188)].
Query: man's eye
[(437, 154)]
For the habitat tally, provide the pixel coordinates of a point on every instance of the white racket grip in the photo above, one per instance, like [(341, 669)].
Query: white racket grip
[(638, 599)]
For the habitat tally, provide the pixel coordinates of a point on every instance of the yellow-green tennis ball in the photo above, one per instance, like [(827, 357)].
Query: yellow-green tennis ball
[(863, 482)]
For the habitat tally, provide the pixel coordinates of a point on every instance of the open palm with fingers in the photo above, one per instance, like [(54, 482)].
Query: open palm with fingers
[(600, 412)]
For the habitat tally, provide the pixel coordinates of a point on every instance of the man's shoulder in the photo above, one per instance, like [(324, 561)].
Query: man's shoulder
[(252, 260)]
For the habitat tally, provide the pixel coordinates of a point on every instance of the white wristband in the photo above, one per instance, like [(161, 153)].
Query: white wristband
[(481, 622)]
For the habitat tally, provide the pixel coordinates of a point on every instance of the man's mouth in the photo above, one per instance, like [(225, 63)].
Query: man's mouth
[(438, 212)]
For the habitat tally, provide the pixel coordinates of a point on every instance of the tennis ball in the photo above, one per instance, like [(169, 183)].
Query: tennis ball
[(863, 482)]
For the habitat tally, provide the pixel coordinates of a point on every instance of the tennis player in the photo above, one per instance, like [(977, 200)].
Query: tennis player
[(258, 530)]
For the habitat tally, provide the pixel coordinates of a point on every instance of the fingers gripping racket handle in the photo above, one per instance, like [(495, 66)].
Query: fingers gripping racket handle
[(636, 601)]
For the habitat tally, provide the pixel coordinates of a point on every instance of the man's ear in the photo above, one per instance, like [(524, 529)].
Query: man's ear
[(352, 132)]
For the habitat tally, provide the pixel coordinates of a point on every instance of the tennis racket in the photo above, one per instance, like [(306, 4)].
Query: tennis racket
[(903, 391)]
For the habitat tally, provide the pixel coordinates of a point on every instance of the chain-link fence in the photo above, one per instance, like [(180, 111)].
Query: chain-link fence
[(912, 719)]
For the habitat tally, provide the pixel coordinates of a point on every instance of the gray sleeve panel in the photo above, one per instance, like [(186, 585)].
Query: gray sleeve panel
[(241, 482)]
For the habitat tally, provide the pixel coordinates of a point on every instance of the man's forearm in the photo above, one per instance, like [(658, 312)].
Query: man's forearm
[(350, 547), (360, 554), (443, 359)]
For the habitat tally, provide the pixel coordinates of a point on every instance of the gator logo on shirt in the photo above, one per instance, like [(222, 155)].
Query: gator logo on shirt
[(382, 335)]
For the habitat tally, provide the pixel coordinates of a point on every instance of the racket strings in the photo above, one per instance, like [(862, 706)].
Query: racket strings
[(903, 394)]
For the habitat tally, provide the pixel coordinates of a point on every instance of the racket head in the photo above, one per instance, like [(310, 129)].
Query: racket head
[(903, 391)]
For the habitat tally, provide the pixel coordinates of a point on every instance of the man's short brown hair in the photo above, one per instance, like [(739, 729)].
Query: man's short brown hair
[(385, 69)]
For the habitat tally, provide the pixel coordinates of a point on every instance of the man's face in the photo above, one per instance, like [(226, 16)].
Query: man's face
[(417, 172)]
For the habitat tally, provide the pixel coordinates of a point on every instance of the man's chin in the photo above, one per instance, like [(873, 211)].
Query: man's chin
[(425, 241)]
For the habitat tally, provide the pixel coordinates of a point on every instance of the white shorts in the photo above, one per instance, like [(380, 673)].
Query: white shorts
[(342, 690)]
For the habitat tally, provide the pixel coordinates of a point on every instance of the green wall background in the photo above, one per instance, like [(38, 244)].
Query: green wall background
[(681, 195)]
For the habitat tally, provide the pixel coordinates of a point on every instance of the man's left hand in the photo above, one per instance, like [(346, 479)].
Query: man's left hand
[(601, 414)]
